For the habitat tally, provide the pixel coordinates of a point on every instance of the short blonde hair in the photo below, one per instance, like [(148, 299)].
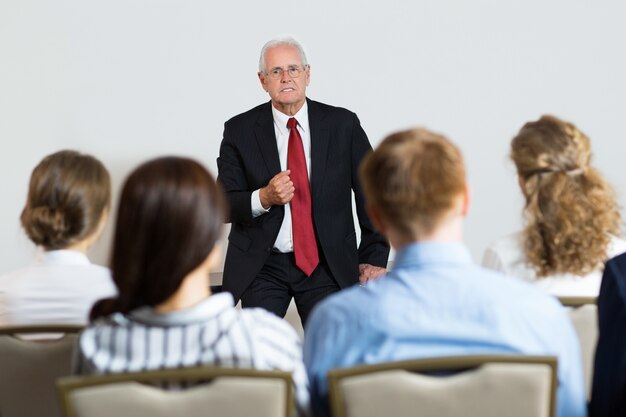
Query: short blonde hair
[(570, 211), (413, 179)]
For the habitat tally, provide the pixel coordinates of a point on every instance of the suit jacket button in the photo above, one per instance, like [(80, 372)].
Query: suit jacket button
[(268, 250)]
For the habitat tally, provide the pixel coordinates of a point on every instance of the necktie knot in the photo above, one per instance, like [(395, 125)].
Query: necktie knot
[(292, 123)]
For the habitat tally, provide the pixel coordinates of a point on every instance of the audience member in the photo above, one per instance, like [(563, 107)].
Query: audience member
[(572, 216), (169, 219), (66, 209), (608, 397), (434, 301)]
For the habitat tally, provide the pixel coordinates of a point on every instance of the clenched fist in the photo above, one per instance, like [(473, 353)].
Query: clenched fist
[(278, 192)]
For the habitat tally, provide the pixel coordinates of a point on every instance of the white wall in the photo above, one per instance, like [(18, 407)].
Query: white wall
[(126, 80)]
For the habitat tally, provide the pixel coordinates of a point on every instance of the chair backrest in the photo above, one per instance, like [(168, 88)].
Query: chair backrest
[(469, 386), (212, 392), (584, 315), (29, 368)]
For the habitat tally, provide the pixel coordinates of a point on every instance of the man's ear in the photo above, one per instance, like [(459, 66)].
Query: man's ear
[(465, 204), (262, 79), (376, 219), (307, 72)]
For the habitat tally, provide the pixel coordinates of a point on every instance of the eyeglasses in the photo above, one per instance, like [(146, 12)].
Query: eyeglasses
[(294, 71)]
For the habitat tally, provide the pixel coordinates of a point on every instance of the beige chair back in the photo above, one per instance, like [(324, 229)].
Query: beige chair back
[(468, 386), (212, 392), (584, 315), (29, 369)]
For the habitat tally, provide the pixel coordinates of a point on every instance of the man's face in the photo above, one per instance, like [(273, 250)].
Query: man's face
[(286, 91)]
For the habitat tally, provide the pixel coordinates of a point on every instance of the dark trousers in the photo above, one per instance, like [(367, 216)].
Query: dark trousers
[(280, 280)]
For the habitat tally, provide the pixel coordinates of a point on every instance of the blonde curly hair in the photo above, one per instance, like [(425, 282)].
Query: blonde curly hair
[(571, 211)]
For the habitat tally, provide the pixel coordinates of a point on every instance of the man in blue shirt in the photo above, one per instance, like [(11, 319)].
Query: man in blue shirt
[(435, 301)]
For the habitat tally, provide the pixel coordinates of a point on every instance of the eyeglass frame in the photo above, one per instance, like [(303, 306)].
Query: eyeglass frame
[(299, 69)]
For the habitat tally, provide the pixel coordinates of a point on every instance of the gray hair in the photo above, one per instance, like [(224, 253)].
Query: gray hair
[(281, 42)]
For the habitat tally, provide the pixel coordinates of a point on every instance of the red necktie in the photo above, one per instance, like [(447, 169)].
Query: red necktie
[(304, 244)]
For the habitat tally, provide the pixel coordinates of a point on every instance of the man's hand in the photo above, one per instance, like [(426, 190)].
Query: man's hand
[(369, 272), (278, 192)]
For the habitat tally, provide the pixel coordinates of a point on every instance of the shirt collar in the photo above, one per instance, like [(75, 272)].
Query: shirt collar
[(62, 257), (423, 253), (281, 119), (213, 306)]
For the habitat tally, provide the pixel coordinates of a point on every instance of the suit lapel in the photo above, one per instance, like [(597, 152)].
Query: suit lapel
[(266, 139), (320, 138)]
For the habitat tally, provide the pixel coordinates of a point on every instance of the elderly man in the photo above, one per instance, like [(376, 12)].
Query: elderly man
[(289, 168), (435, 301)]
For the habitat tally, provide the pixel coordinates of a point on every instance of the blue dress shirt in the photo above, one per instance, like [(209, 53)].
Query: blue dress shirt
[(437, 302)]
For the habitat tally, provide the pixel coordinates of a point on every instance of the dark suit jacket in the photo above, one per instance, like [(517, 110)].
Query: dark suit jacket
[(249, 159), (608, 397)]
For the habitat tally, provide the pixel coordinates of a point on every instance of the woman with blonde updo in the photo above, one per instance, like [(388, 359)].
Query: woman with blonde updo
[(66, 209), (571, 214)]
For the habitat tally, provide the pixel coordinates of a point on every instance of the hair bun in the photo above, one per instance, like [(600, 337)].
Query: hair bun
[(67, 196), (47, 227)]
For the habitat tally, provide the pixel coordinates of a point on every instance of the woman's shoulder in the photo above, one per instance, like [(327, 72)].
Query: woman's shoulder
[(111, 321), (96, 335)]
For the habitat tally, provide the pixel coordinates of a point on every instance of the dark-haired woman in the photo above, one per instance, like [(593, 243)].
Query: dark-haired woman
[(572, 216), (169, 219), (66, 209)]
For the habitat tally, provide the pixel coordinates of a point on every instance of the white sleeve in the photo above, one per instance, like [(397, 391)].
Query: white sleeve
[(255, 204)]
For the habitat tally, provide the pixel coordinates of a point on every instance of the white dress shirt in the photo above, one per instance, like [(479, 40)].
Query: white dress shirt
[(507, 255), (284, 240), (59, 288)]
